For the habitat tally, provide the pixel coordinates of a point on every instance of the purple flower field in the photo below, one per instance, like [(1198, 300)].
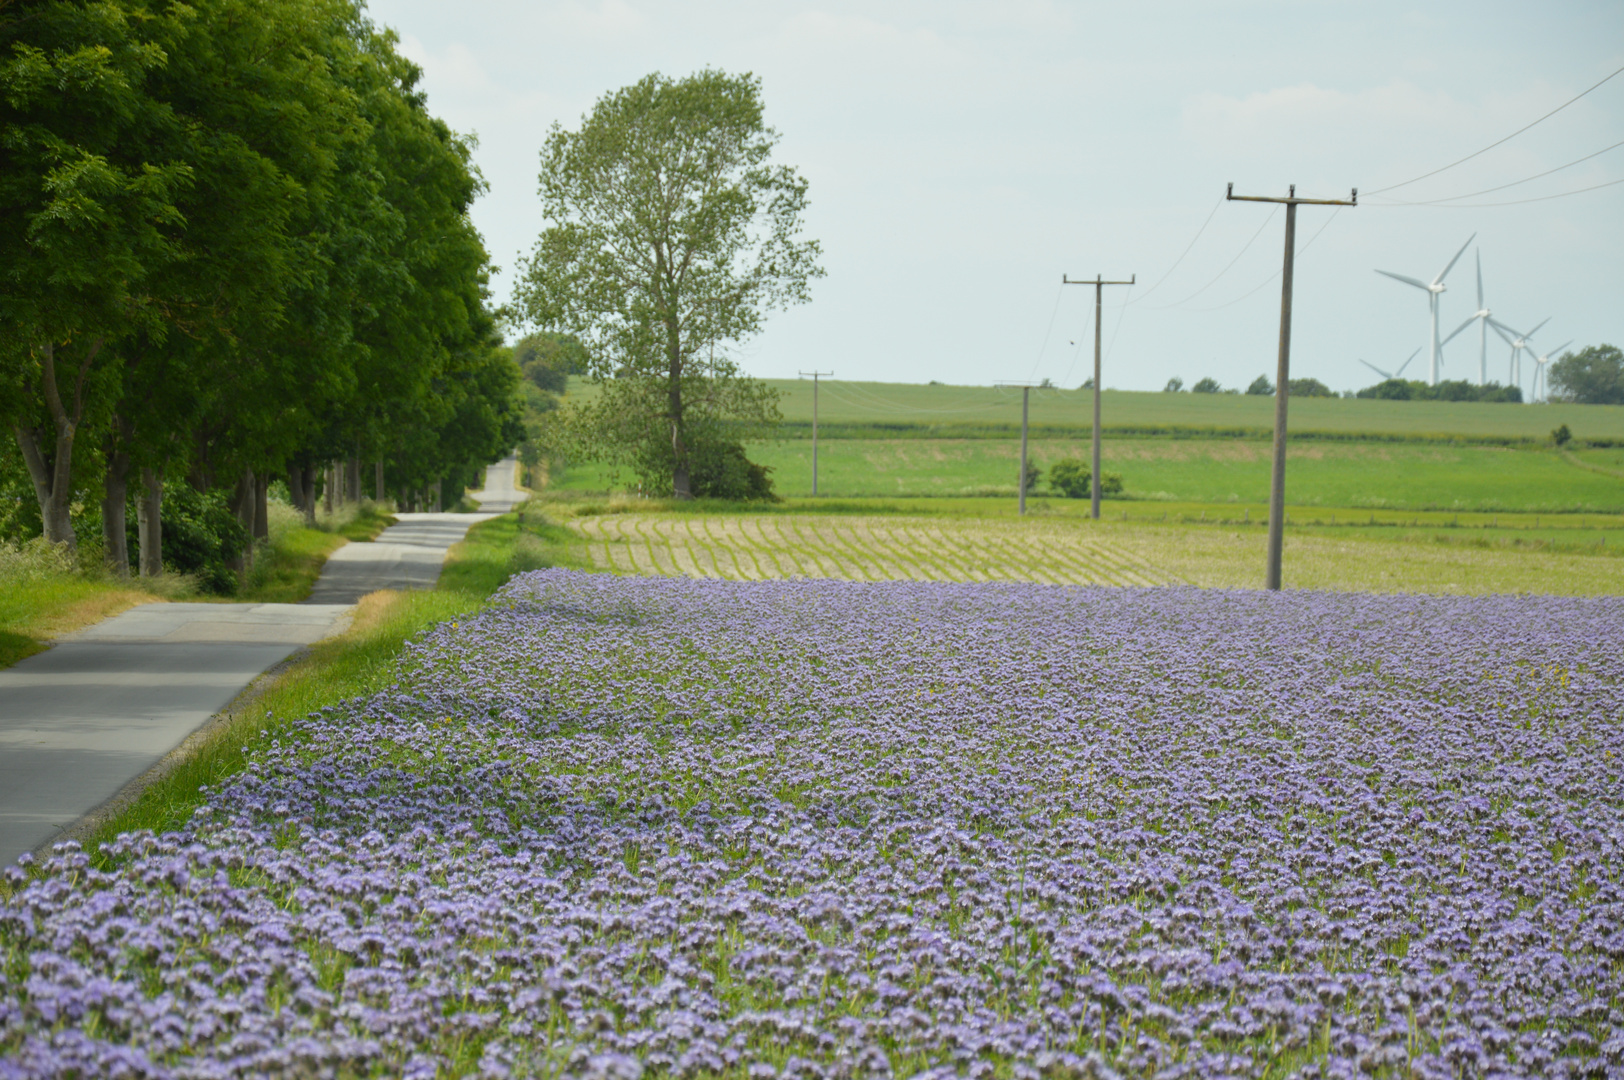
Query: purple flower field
[(616, 827)]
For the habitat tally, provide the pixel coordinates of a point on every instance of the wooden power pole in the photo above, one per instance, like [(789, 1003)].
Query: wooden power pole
[(1026, 402), (1099, 284), (1282, 381), (815, 376)]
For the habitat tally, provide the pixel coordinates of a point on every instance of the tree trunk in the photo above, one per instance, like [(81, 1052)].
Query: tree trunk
[(377, 481), (302, 485), (149, 523), (352, 481), (262, 522), (679, 446), (242, 506), (328, 486), (115, 499), (53, 476), (437, 506)]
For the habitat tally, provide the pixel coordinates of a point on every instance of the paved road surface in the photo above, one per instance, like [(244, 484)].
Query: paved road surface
[(83, 719)]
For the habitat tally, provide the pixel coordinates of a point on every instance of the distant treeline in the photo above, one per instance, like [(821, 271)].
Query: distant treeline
[(1446, 390), (802, 429)]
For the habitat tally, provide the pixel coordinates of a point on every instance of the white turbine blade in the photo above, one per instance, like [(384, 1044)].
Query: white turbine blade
[(1507, 335), (1535, 330), (1406, 280), (1457, 330), (1377, 370), (1479, 254), (1556, 351), (1439, 279), (1406, 364)]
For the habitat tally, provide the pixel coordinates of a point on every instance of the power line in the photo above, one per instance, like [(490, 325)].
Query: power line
[(1180, 259), (1492, 145), (1276, 274), (1039, 361), (1520, 202), (1225, 270), (1514, 183)]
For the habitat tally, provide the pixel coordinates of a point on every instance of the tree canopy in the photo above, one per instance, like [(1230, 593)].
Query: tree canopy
[(235, 244), (1592, 376), (671, 236)]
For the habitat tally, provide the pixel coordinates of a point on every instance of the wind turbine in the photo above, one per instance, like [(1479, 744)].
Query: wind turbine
[(1542, 390), (1481, 316), (1434, 289), (1518, 342), (1391, 374)]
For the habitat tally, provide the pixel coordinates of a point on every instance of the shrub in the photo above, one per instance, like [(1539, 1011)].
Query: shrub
[(719, 469), (1561, 436), (1174, 385), (1261, 386), (201, 536), (1033, 475), (1073, 478), (1208, 385)]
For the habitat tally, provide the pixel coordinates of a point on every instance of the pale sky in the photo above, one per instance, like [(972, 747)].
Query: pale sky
[(962, 157)]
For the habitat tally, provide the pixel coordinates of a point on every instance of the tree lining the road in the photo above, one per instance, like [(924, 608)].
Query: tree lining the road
[(236, 248)]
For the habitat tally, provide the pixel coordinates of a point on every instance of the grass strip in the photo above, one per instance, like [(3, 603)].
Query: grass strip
[(359, 661), (32, 613)]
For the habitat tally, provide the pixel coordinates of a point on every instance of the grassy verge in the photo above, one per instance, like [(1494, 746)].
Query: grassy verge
[(356, 662), (34, 612), (39, 603)]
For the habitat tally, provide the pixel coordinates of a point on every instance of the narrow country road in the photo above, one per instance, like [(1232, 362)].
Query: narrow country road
[(97, 710)]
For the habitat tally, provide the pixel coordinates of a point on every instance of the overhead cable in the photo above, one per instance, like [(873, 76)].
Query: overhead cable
[(1160, 281), (1225, 270), (1276, 274), (1492, 145), (1514, 183), (1520, 202)]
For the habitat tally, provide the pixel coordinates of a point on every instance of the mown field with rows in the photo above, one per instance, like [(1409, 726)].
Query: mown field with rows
[(633, 539), (616, 827)]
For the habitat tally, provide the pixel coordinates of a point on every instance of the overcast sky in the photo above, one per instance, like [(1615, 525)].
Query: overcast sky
[(962, 157)]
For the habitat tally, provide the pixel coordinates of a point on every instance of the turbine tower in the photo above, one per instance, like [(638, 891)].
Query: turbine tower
[(1391, 374), (1434, 289), (1481, 316), (1518, 342), (1542, 389)]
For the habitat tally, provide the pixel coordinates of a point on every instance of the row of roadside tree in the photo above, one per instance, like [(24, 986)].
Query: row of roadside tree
[(234, 250)]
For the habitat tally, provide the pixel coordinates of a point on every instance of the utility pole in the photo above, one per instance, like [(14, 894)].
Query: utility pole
[(1277, 481), (1099, 284), (1026, 401), (815, 376)]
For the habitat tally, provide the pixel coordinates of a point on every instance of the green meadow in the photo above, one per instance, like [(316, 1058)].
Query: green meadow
[(1375, 475), (904, 409)]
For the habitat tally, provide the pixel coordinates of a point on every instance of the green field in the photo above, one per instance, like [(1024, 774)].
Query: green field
[(1367, 475), (978, 409)]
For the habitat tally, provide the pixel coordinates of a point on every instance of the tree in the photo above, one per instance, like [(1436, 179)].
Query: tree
[(1261, 386), (548, 360), (1592, 376), (1309, 388), (1174, 385), (1208, 385), (87, 215), (672, 235)]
